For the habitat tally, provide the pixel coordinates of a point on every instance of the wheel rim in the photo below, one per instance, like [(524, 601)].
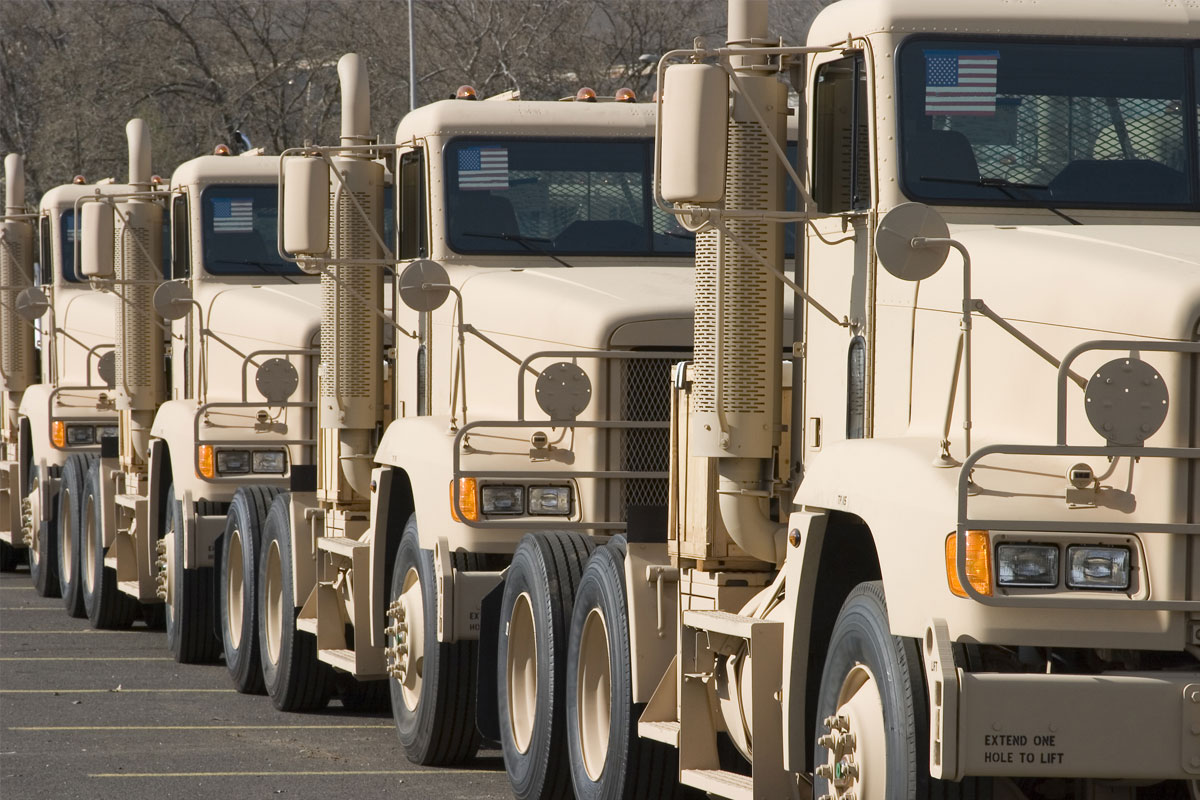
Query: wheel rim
[(89, 544), (856, 739), (66, 544), (273, 592), (235, 595), (33, 521), (412, 638), (594, 695), (522, 672)]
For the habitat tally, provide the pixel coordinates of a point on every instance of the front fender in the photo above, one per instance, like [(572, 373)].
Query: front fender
[(175, 424), (908, 504), (35, 407), (423, 448)]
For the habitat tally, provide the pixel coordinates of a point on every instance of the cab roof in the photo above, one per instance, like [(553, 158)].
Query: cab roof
[(62, 198), (527, 118), (226, 169), (1132, 19)]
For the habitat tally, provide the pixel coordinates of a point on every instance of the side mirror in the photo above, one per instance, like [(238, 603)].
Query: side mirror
[(695, 110), (96, 228), (423, 285), (172, 300), (894, 241), (31, 303), (305, 206)]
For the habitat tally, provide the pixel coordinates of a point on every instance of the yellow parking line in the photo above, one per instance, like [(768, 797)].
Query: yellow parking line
[(112, 691), (85, 658), (32, 608), (190, 727), (289, 773)]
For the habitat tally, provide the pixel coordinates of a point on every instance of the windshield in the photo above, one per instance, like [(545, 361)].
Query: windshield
[(566, 197), (66, 249), (240, 231), (1049, 123)]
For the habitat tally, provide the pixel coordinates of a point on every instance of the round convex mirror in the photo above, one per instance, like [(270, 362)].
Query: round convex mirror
[(894, 241), (424, 285), (172, 300)]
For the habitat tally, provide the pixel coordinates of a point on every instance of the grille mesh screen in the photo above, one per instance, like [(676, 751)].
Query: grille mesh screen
[(348, 327), (645, 397), (135, 347), (15, 339)]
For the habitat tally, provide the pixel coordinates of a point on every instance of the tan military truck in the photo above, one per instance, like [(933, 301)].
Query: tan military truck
[(63, 413), (542, 298), (947, 549), (213, 375)]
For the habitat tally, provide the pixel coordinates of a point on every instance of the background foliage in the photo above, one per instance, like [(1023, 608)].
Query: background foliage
[(72, 72)]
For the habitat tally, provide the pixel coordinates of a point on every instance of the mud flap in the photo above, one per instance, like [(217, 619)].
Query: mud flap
[(487, 701)]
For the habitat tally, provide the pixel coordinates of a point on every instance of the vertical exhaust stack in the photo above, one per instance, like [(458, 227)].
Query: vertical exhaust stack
[(351, 332), (739, 306), (16, 272), (137, 241)]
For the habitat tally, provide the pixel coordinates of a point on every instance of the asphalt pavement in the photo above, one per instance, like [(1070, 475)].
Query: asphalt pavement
[(109, 714)]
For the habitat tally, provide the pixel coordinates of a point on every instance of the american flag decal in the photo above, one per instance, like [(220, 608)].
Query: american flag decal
[(960, 82), (481, 168), (233, 215)]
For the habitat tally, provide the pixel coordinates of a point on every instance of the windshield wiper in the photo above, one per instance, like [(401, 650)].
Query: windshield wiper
[(263, 268), (1005, 185), (524, 241)]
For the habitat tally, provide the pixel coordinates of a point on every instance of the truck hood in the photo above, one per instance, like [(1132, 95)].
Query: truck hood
[(256, 317), (1129, 280), (588, 307)]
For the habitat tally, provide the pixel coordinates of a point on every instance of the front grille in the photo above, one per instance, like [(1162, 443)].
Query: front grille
[(645, 397)]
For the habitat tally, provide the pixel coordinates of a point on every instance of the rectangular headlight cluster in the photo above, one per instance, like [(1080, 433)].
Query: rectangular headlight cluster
[(240, 462), (81, 434), (514, 500), (1037, 565)]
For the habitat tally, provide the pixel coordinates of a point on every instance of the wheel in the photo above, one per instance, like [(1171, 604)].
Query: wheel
[(40, 535), (238, 619), (292, 675), (535, 613), (607, 758), (433, 683), (70, 505), (872, 739), (105, 604), (189, 601)]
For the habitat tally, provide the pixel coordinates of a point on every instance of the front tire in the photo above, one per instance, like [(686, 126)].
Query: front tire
[(294, 678), (70, 543), (240, 548), (189, 605), (609, 761), (873, 687), (43, 532), (535, 612), (106, 605), (433, 698)]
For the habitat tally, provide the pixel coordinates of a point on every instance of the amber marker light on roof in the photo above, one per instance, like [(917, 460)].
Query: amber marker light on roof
[(466, 92), (156, 180), (222, 150), (79, 180), (625, 95), (585, 95)]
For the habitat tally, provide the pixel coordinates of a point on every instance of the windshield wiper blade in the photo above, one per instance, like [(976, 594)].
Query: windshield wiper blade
[(1004, 185), (263, 268), (524, 241)]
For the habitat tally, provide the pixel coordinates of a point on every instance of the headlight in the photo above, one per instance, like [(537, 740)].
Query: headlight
[(81, 434), (270, 461), (232, 462), (1027, 565), (1098, 567), (550, 500), (502, 499)]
